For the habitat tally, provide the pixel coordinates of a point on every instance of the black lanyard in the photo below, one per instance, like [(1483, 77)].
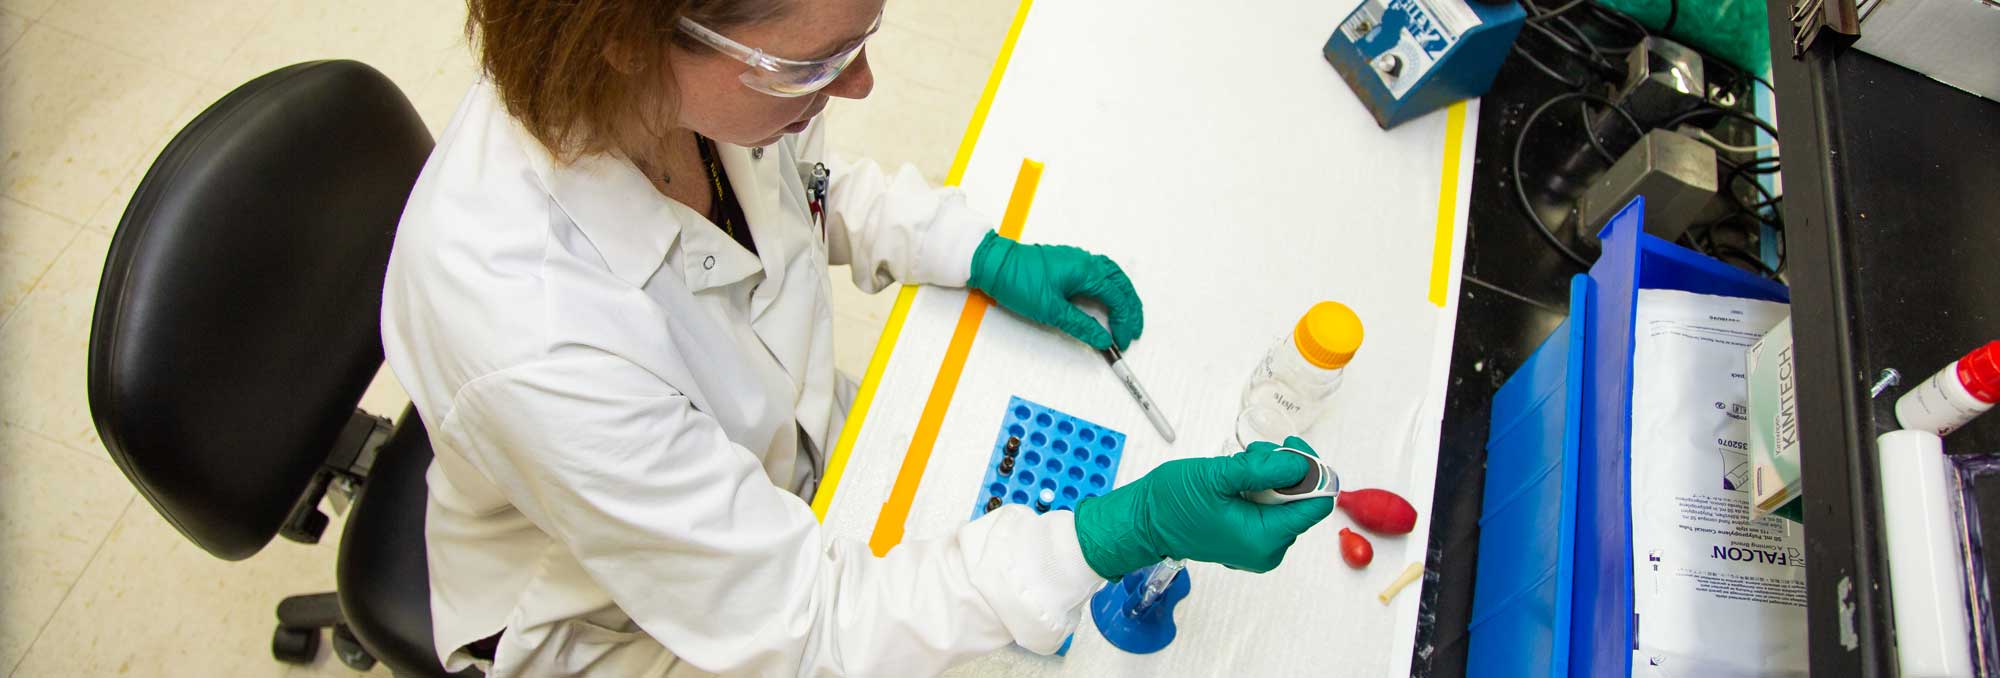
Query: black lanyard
[(723, 208)]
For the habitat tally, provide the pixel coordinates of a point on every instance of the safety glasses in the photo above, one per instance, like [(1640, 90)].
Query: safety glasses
[(776, 76)]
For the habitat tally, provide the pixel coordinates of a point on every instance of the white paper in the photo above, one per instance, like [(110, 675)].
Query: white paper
[(1715, 593), (1952, 41), (1454, 16)]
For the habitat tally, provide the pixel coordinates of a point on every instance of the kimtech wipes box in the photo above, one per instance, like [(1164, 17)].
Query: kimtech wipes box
[(1774, 426)]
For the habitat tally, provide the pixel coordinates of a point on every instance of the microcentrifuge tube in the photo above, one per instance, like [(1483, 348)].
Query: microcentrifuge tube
[(1157, 582)]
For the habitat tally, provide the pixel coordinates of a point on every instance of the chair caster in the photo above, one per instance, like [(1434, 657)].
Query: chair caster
[(349, 650), (295, 645)]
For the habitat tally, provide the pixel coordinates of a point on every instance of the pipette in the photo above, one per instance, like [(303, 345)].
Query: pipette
[(1320, 481), (1117, 361)]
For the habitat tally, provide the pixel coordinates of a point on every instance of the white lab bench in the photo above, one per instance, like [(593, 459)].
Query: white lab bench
[(1213, 153)]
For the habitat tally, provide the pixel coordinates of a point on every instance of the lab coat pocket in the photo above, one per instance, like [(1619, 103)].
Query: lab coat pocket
[(578, 647)]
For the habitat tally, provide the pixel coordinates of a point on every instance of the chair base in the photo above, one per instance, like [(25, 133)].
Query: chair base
[(300, 618)]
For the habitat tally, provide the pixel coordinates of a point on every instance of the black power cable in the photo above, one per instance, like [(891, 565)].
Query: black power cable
[(1609, 63), (1590, 133), (1570, 37), (1711, 109), (1746, 171), (1746, 216), (1702, 238), (1761, 81), (1631, 25), (1538, 15), (1573, 49), (1596, 53), (1545, 68), (1520, 189)]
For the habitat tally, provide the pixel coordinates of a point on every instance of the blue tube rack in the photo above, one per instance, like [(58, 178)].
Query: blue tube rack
[(1071, 456)]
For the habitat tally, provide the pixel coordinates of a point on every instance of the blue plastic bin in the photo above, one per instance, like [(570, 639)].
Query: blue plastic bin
[(1554, 589)]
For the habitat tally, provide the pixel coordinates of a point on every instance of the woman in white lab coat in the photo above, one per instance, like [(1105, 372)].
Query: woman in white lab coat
[(608, 301)]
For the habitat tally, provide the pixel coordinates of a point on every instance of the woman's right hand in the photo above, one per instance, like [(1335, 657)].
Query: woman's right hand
[(1194, 509)]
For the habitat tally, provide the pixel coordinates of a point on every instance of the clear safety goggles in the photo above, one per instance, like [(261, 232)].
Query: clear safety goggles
[(776, 76)]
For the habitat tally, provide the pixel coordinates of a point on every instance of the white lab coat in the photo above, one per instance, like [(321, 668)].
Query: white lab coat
[(616, 392)]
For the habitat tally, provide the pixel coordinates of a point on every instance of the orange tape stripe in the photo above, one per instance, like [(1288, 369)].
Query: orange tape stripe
[(1025, 182), (1454, 139), (885, 345), (895, 513)]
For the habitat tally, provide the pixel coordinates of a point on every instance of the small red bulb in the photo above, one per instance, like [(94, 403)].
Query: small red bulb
[(1355, 549)]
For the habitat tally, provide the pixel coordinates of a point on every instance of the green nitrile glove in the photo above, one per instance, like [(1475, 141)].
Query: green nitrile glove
[(1194, 509), (1038, 281)]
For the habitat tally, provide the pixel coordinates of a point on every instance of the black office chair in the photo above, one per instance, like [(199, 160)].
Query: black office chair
[(237, 326)]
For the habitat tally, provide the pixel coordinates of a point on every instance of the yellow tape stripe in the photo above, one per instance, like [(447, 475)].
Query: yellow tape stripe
[(896, 510), (1454, 137), (836, 463), (978, 123)]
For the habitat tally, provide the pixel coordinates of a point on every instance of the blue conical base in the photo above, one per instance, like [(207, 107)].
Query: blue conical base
[(1147, 631)]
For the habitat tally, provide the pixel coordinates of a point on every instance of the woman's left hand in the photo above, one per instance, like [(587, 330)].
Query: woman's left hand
[(1038, 281)]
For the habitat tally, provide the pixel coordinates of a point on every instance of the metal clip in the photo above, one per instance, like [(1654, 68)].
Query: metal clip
[(816, 188)]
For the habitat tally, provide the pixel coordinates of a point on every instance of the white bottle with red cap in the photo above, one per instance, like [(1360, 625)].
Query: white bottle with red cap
[(1956, 394)]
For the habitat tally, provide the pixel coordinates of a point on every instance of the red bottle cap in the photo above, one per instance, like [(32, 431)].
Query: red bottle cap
[(1979, 372)]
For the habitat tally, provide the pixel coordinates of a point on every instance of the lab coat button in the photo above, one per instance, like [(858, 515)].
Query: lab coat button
[(708, 263), (757, 153)]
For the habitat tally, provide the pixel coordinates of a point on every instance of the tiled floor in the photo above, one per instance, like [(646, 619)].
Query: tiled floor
[(92, 581)]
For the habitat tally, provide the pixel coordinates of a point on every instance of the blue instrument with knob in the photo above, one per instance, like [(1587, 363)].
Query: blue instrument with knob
[(1405, 58)]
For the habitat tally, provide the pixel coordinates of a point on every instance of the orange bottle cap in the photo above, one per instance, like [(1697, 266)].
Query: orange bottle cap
[(1328, 335)]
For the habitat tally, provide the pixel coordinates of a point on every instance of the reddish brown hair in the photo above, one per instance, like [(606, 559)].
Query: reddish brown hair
[(547, 59)]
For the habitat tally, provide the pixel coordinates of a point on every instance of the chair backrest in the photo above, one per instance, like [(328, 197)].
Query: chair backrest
[(237, 324)]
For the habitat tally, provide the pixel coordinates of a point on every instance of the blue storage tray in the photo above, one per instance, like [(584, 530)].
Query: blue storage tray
[(1527, 516), (1074, 457), (1554, 590)]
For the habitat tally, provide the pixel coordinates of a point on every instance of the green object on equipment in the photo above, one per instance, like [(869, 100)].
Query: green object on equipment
[(1731, 29), (1038, 281), (1194, 509)]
